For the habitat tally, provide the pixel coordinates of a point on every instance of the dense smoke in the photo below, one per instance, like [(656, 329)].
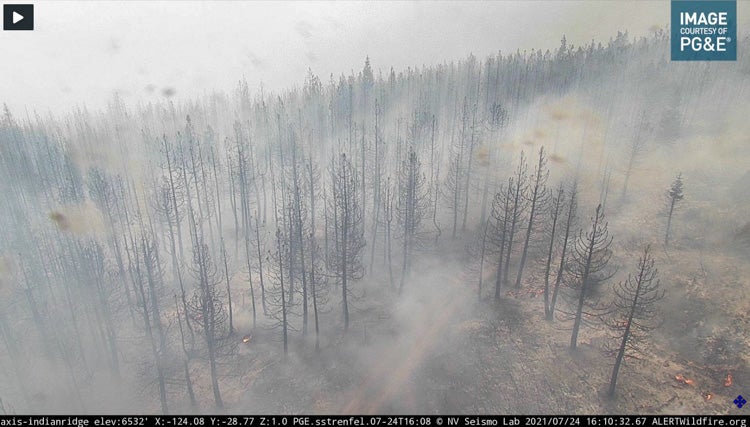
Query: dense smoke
[(320, 249)]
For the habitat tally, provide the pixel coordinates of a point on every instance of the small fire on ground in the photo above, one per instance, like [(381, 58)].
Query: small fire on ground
[(681, 379), (728, 380)]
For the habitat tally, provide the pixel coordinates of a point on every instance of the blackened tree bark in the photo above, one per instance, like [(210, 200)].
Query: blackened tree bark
[(674, 195), (555, 210), (536, 202), (517, 208), (348, 232), (564, 253), (501, 214), (636, 302), (207, 310), (589, 266), (413, 202)]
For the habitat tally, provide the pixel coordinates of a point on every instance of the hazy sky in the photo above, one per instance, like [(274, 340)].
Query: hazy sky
[(82, 52)]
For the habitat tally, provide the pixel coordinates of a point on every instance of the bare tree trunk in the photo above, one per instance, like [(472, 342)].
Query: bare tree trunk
[(481, 260), (152, 341), (434, 185), (229, 288), (260, 271), (563, 254), (376, 188), (284, 324), (248, 260), (214, 376), (388, 206), (557, 204), (186, 359), (512, 230), (455, 198), (621, 351), (233, 205), (467, 186), (669, 221), (537, 194), (503, 234), (362, 182), (344, 260), (591, 247), (301, 241), (313, 287), (173, 193)]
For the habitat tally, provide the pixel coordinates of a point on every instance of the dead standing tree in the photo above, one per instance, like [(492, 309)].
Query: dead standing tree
[(207, 309), (279, 304), (186, 358), (636, 149), (508, 209), (413, 204), (477, 253), (167, 206), (318, 282), (635, 317), (388, 208), (500, 214), (536, 200), (674, 195), (246, 174), (143, 262), (345, 258), (299, 224), (569, 225), (589, 265), (556, 207)]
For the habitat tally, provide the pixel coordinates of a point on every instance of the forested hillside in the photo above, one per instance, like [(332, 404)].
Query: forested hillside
[(531, 232)]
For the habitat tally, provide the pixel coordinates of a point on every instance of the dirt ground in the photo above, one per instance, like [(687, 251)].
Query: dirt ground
[(447, 353)]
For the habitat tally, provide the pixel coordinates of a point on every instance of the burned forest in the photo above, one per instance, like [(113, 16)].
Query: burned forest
[(543, 231)]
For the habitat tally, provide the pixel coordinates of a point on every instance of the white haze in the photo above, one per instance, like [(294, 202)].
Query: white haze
[(81, 53), (430, 349)]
